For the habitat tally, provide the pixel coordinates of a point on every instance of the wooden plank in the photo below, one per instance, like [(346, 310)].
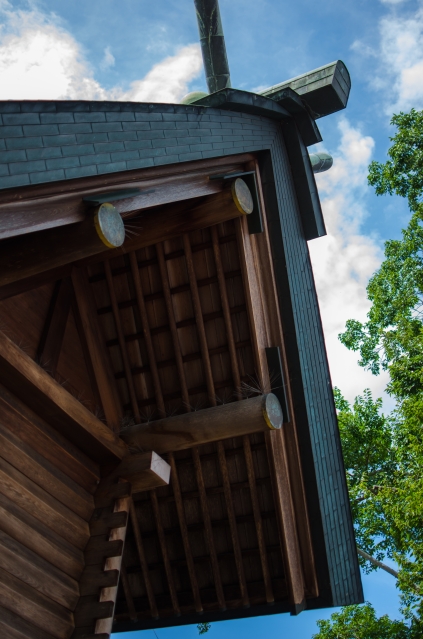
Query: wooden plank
[(38, 537), (205, 426), (261, 255), (31, 605), (122, 343), (172, 323), (54, 331), (44, 473), (40, 504), (45, 440), (62, 206), (38, 573), (47, 398), (22, 257), (143, 561), (258, 520), (226, 309), (36, 281), (98, 354), (208, 529), (147, 334), (172, 220), (233, 526), (165, 553), (127, 593), (12, 626), (126, 179), (198, 313), (94, 578), (184, 533)]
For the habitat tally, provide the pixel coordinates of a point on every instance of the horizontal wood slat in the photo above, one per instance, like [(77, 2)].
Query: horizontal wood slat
[(40, 504), (44, 395), (34, 607), (38, 537), (46, 441), (13, 626), (38, 573)]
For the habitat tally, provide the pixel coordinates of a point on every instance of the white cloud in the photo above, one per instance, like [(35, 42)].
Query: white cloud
[(108, 59), (399, 58), (169, 79), (344, 260), (39, 59)]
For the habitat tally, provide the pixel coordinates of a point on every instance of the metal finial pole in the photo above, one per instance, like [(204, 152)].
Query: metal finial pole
[(212, 44)]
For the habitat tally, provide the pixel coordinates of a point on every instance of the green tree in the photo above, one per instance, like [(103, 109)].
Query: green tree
[(383, 460), (360, 622), (392, 338)]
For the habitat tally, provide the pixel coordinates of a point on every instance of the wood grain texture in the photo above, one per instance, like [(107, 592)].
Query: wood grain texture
[(185, 540), (32, 606), (101, 366), (40, 538), (46, 397), (54, 330), (199, 427), (143, 561), (13, 626), (38, 573)]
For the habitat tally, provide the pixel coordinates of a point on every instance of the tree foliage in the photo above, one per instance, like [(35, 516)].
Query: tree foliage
[(360, 622), (392, 338), (384, 455)]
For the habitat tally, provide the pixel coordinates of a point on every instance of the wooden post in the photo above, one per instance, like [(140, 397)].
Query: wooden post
[(261, 413)]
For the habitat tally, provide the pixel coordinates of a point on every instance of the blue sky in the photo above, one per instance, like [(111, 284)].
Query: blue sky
[(148, 51)]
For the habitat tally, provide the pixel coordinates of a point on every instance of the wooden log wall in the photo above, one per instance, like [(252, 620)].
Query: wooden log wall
[(46, 501)]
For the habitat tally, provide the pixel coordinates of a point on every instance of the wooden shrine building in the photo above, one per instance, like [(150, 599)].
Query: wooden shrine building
[(169, 450)]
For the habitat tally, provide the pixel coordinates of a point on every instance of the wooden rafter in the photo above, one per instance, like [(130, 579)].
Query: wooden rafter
[(54, 330), (99, 358), (184, 533), (143, 561)]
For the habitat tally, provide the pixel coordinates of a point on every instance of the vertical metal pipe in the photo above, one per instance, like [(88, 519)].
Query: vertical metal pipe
[(212, 44)]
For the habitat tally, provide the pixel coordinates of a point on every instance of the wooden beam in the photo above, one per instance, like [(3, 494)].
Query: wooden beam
[(232, 525), (45, 206), (27, 255), (165, 553), (20, 374), (208, 529), (51, 340), (184, 534), (257, 414), (143, 560), (144, 471), (102, 368)]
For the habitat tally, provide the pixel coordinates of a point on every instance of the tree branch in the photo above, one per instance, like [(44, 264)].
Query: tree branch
[(377, 563)]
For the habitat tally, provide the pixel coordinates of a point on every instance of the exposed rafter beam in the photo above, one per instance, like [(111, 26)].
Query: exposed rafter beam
[(257, 414)]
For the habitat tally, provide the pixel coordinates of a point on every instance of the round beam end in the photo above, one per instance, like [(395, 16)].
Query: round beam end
[(242, 196), (109, 225), (272, 411)]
